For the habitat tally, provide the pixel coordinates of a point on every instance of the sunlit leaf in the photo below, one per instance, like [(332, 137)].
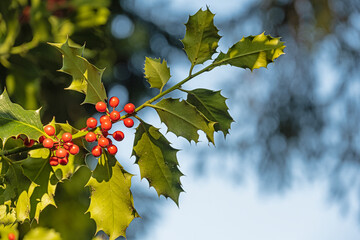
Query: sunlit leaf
[(111, 204), (157, 161), (252, 52), (5, 229), (40, 233), (19, 185), (86, 77), (7, 215), (37, 168), (201, 37), (184, 119), (156, 72), (15, 120)]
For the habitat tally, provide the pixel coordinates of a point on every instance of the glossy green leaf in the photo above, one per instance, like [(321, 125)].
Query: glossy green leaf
[(184, 119), (86, 77), (37, 168), (15, 120), (157, 73), (111, 204), (201, 37), (252, 52), (157, 161), (18, 187), (40, 233), (212, 105)]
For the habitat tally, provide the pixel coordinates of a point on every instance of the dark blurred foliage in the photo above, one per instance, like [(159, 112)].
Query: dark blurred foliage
[(28, 69)]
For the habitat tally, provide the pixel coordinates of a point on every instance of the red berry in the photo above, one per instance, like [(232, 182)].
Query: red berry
[(90, 137), (68, 145), (61, 153), (48, 143), (96, 151), (67, 137), (128, 122), (114, 102), (100, 107), (115, 116), (103, 142), (63, 161), (49, 130), (129, 108), (104, 118), (29, 143), (54, 161), (74, 149), (104, 133), (118, 135), (41, 139), (91, 122), (112, 149), (11, 236), (106, 125)]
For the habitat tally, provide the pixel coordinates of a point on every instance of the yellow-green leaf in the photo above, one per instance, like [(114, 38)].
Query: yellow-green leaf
[(86, 77), (40, 233), (111, 204), (157, 161), (37, 168), (252, 52), (201, 37), (15, 120), (157, 73)]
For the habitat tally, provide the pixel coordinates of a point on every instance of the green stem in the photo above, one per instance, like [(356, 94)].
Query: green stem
[(176, 86), (20, 150)]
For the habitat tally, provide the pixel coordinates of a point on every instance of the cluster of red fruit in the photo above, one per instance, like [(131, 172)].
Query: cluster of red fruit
[(60, 148), (106, 122)]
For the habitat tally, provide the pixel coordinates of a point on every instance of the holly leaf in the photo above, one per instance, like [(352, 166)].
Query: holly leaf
[(15, 120), (111, 204), (157, 161), (212, 105), (5, 229), (7, 215), (19, 185), (86, 77), (252, 52), (183, 119), (37, 168), (41, 233), (201, 37), (157, 73)]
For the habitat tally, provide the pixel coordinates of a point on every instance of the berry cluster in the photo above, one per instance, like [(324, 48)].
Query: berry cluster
[(60, 148), (106, 122)]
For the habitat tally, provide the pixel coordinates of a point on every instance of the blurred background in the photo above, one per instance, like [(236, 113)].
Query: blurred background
[(290, 168)]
